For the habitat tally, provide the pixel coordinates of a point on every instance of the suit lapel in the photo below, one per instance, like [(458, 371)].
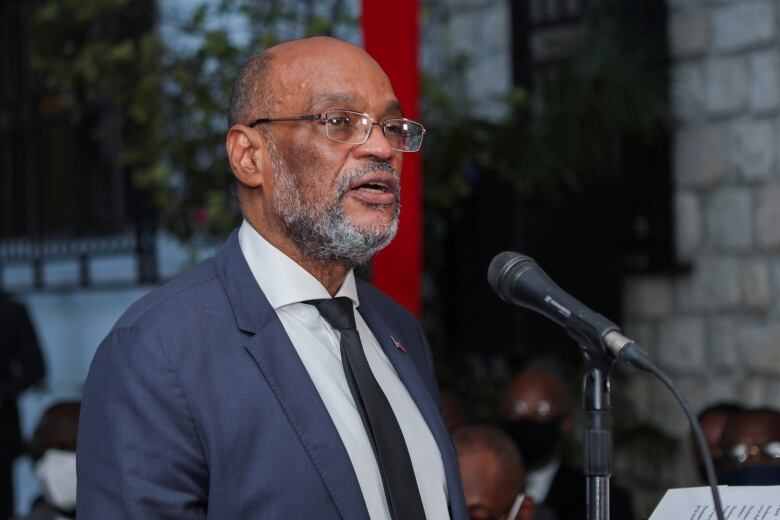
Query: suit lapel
[(409, 375), (279, 363)]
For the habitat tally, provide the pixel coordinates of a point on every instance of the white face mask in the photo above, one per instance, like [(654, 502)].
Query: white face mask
[(56, 472), (515, 509)]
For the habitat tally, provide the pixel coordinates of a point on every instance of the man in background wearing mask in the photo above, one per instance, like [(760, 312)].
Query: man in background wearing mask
[(712, 421), (537, 416), (751, 448), (53, 453)]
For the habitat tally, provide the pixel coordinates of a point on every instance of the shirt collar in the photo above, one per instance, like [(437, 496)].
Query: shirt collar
[(282, 280), (538, 482)]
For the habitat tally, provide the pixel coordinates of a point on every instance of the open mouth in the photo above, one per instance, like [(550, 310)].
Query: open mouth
[(376, 188), (373, 187)]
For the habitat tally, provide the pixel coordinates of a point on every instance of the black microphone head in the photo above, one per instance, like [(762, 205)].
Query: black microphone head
[(502, 265)]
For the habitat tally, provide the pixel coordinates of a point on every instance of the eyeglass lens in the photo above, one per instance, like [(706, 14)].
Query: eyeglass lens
[(541, 408), (349, 127), (741, 452)]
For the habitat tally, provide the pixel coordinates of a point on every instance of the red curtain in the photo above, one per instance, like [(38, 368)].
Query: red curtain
[(390, 35)]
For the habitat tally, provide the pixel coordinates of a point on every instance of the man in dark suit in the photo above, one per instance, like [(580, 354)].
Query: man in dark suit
[(21, 366), (233, 391), (537, 416)]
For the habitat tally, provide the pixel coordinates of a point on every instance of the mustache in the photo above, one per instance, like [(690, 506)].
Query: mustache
[(365, 169)]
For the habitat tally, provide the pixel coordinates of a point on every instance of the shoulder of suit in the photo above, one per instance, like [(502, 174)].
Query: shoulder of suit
[(186, 287)]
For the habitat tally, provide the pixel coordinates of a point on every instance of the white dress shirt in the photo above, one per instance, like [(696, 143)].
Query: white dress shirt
[(538, 482), (286, 284)]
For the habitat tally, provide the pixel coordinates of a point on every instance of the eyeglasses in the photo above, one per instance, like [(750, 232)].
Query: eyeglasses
[(540, 409), (741, 452), (346, 126)]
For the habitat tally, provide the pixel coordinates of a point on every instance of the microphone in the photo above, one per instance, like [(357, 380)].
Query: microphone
[(518, 279)]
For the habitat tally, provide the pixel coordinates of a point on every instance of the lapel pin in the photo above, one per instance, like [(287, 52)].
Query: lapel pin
[(398, 345)]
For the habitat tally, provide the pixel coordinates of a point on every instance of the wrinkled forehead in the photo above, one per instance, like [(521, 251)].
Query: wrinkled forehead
[(309, 78), (531, 387), (752, 429)]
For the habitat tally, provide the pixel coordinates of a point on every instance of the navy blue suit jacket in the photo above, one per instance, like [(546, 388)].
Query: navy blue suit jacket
[(197, 406)]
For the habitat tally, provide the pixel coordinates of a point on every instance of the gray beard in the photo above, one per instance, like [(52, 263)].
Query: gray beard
[(326, 235)]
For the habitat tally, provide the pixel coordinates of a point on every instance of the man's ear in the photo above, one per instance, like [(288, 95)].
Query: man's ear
[(248, 155)]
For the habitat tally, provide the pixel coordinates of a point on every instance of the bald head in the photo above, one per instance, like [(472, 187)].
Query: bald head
[(285, 71), (56, 429), (535, 394), (491, 469)]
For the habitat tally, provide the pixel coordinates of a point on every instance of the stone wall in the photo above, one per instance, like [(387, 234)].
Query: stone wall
[(716, 329), (479, 32)]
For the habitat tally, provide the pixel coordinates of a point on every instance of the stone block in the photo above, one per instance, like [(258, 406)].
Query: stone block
[(689, 32), (759, 349), (729, 218), (775, 281), (489, 81), (688, 95), (688, 223), (681, 344), (771, 391), (481, 30), (750, 391), (714, 284), (648, 297), (727, 85), (753, 148), (701, 156), (756, 288), (682, 4), (641, 394), (722, 343), (765, 81), (768, 216), (643, 332), (666, 413), (742, 25), (699, 390)]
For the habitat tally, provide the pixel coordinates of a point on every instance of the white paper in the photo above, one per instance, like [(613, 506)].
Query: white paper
[(739, 503)]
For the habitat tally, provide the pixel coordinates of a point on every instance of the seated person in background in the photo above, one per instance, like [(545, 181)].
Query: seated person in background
[(493, 475), (712, 420), (53, 453), (536, 415), (751, 448)]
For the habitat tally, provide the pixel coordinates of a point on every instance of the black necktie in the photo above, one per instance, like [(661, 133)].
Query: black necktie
[(395, 466)]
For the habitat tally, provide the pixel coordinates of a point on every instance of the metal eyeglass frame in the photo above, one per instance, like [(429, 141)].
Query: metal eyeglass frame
[(323, 119)]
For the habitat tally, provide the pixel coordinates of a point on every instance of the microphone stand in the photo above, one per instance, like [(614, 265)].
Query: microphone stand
[(597, 441)]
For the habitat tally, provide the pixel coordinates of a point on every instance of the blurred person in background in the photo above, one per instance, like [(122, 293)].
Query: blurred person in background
[(537, 416), (53, 453), (21, 366), (751, 448), (712, 420), (493, 475)]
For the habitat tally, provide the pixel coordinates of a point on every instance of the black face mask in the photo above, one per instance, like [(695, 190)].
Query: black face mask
[(537, 441), (753, 475)]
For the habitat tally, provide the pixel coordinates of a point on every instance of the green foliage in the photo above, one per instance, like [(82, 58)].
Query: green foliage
[(102, 54), (171, 99)]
